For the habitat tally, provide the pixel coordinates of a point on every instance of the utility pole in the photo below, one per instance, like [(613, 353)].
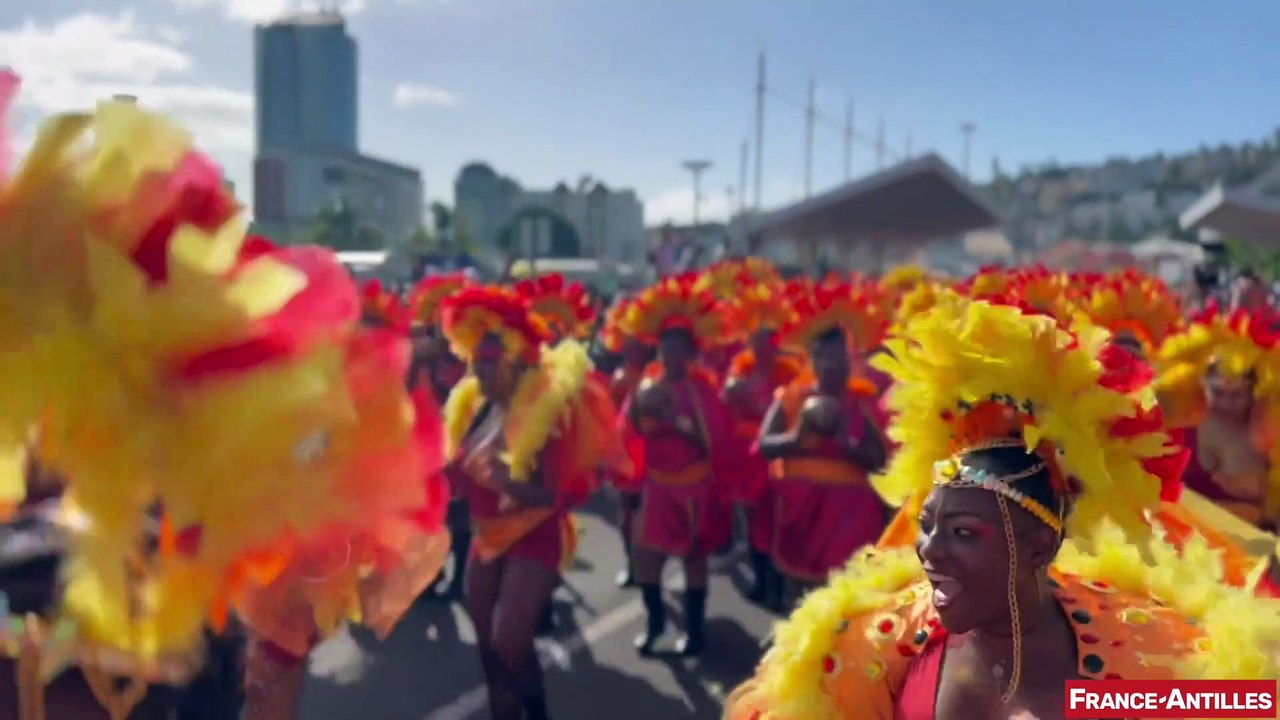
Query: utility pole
[(880, 144), (760, 92), (967, 129), (697, 167), (810, 117), (848, 142)]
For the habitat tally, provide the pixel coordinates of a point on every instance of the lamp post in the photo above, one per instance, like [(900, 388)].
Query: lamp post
[(697, 167), (967, 129)]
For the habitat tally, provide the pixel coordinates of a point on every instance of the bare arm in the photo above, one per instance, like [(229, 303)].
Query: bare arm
[(868, 452), (775, 440)]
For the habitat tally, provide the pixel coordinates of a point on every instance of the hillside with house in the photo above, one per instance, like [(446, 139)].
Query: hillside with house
[(1124, 200)]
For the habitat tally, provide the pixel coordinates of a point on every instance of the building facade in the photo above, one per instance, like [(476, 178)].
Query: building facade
[(305, 75), (308, 157), (292, 185), (589, 220)]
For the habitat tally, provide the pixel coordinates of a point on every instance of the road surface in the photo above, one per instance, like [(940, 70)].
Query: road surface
[(428, 668)]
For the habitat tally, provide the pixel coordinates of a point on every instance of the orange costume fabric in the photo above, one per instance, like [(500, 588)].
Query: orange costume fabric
[(824, 507), (884, 666), (758, 390), (622, 386), (686, 486)]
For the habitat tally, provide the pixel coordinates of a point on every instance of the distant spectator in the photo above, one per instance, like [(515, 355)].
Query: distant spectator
[(1248, 292)]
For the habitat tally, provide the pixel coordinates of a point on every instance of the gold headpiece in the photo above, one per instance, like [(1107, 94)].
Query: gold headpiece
[(953, 472)]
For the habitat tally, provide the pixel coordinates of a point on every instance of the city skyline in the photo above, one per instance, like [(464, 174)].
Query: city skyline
[(553, 90)]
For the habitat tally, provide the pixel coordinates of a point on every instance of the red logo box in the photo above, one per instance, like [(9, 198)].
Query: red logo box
[(1178, 699)]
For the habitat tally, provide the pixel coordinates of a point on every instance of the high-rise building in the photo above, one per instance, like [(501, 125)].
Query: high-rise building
[(308, 157), (305, 73)]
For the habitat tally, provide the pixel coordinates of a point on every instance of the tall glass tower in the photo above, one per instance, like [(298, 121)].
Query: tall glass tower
[(305, 82)]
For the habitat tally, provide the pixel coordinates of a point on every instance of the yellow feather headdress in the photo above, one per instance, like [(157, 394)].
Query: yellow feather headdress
[(969, 371)]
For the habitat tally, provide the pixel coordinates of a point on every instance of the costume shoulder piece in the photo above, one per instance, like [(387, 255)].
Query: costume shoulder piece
[(844, 652), (460, 409), (1172, 609)]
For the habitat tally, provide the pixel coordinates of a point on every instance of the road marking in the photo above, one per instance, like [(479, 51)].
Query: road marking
[(553, 653)]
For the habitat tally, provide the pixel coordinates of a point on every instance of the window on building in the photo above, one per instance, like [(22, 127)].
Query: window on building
[(334, 175)]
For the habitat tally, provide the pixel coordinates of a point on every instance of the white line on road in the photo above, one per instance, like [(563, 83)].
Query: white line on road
[(553, 654)]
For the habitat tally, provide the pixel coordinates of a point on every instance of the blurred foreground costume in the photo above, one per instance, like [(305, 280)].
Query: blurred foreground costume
[(223, 426)]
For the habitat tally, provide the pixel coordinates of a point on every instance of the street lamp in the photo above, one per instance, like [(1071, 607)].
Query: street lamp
[(967, 129), (697, 167)]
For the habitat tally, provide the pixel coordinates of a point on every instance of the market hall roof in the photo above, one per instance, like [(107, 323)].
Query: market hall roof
[(918, 200)]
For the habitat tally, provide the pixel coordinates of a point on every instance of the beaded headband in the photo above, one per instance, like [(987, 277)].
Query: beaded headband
[(952, 472)]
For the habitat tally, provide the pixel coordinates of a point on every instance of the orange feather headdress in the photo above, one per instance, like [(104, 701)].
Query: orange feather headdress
[(821, 308), (428, 296), (475, 312), (1138, 304), (677, 302), (612, 333), (565, 307), (724, 277), (383, 306), (758, 305)]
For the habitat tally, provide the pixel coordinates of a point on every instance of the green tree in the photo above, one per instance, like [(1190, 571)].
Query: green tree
[(422, 241), (441, 218), (337, 227), (460, 237)]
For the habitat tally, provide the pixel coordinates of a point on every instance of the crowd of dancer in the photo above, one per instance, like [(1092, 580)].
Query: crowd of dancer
[(215, 451)]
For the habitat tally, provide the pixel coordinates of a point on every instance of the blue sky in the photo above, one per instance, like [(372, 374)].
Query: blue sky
[(547, 90)]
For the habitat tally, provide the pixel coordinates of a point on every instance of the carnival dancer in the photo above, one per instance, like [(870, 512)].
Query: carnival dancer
[(153, 351), (528, 434), (689, 455), (1217, 386), (1015, 480), (758, 312), (567, 311), (433, 375), (636, 356), (823, 438), (1139, 310)]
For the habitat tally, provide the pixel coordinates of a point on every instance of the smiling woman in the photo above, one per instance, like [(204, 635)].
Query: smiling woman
[(1015, 482)]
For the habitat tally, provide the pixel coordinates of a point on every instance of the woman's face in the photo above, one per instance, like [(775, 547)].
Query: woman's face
[(493, 370), (447, 370), (964, 552), (1230, 398), (764, 345)]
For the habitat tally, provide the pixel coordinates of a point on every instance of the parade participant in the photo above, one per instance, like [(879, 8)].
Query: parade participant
[(758, 312), (689, 454), (435, 367), (527, 434), (567, 311), (1216, 385), (722, 279), (1249, 293), (153, 351), (433, 375), (1014, 480), (636, 356), (823, 438), (565, 307), (1139, 310)]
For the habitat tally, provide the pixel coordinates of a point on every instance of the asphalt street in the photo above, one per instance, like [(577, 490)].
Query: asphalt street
[(428, 669)]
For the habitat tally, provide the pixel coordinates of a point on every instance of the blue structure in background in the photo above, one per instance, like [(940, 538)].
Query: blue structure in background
[(305, 67)]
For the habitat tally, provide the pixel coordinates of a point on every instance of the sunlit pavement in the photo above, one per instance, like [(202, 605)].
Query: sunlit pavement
[(428, 668)]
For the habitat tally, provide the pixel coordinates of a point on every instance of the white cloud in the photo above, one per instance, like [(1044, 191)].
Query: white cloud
[(257, 11), (676, 206), (82, 59), (411, 94)]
